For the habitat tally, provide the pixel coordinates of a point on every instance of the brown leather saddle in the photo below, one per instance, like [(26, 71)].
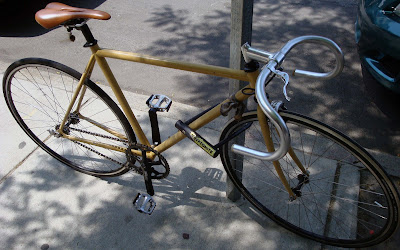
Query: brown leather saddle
[(57, 14)]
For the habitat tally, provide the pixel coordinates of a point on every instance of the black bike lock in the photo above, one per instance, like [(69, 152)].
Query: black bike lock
[(196, 138)]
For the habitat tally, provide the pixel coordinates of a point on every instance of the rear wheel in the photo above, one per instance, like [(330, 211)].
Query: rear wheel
[(347, 200), (38, 93)]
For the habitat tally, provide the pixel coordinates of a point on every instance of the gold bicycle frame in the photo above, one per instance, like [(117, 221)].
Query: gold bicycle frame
[(99, 56)]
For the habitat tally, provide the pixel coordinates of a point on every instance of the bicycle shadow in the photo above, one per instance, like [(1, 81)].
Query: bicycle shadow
[(184, 189), (46, 203), (202, 188)]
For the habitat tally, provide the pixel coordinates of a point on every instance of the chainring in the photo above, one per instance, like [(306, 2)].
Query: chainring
[(159, 166)]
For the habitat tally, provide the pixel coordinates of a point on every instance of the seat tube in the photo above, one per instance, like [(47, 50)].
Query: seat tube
[(86, 75), (101, 61)]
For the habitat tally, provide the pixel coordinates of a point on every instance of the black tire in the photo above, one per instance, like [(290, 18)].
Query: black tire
[(38, 92), (348, 194)]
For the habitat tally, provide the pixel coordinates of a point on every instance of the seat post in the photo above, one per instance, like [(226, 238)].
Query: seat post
[(90, 41)]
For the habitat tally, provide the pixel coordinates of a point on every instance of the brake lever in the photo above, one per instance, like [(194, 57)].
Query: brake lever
[(285, 78)]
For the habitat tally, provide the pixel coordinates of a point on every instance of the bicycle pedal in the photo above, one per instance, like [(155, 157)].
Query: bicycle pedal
[(144, 203), (159, 102)]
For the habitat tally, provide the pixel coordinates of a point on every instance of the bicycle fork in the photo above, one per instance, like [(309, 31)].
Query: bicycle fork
[(265, 129)]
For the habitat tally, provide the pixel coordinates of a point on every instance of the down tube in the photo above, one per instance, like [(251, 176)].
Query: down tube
[(121, 98), (200, 122), (210, 115)]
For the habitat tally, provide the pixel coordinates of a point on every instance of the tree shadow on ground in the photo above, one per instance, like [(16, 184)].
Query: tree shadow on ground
[(341, 102)]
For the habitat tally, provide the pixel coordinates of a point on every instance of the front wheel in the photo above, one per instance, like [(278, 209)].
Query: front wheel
[(347, 200), (38, 93)]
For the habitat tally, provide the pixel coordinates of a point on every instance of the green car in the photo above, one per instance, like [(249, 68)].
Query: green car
[(378, 39)]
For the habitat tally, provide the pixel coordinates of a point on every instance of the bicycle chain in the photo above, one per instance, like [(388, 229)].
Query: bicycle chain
[(94, 151), (141, 147), (100, 135)]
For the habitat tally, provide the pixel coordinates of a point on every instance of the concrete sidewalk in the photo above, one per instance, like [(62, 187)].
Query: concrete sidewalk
[(46, 204)]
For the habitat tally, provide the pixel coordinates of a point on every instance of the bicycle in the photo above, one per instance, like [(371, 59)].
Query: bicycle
[(313, 180)]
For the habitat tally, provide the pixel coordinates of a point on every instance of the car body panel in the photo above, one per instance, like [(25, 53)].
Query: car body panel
[(378, 40)]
